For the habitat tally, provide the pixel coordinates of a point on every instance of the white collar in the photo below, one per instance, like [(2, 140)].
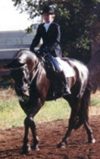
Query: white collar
[(47, 25)]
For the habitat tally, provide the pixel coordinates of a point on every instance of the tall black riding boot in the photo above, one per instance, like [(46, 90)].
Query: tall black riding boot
[(66, 89)]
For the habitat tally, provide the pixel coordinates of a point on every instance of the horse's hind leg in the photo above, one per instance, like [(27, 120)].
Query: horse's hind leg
[(89, 131), (83, 119), (72, 121), (84, 114), (91, 138)]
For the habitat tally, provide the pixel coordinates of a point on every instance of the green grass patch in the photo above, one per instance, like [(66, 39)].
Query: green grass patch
[(11, 114), (53, 110), (95, 101)]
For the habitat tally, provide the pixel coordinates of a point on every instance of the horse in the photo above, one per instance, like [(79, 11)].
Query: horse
[(33, 88)]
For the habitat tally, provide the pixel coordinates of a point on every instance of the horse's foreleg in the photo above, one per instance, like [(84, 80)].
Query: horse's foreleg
[(29, 123), (35, 137), (26, 147)]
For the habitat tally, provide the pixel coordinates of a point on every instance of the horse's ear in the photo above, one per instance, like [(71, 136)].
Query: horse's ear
[(14, 64)]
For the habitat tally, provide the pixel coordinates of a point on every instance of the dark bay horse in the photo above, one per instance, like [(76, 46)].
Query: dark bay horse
[(34, 88)]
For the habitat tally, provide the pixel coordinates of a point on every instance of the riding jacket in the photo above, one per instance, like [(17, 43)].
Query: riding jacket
[(51, 39)]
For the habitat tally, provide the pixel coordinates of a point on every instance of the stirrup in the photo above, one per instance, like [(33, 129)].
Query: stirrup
[(66, 91)]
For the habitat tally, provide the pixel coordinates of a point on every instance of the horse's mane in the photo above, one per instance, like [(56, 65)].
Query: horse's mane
[(24, 54)]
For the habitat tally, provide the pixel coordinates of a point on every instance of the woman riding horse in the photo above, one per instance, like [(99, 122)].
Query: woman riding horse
[(30, 76), (50, 34)]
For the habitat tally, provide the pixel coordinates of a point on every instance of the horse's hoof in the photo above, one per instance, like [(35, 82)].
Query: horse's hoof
[(26, 149), (92, 141), (61, 145), (35, 148)]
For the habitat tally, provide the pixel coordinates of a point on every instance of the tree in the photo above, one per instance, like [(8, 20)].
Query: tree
[(94, 71), (75, 18)]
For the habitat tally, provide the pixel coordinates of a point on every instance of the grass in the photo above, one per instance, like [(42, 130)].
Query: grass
[(95, 99), (95, 102), (54, 110), (11, 114)]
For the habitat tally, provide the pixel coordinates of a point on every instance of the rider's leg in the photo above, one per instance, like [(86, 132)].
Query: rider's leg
[(65, 82), (61, 76)]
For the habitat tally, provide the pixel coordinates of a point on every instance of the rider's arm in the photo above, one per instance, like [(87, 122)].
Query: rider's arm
[(36, 39)]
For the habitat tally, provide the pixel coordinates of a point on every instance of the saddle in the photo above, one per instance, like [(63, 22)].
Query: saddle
[(44, 57), (56, 88)]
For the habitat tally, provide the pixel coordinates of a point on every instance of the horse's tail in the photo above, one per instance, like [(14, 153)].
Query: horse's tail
[(83, 113)]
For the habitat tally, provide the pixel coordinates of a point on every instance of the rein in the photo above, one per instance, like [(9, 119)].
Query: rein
[(33, 75), (37, 66), (17, 68)]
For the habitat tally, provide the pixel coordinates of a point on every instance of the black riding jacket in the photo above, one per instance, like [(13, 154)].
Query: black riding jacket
[(51, 39)]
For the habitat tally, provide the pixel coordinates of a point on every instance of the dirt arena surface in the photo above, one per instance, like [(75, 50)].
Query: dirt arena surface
[(50, 134)]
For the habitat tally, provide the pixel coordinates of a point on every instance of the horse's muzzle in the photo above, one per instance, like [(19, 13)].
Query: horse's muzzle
[(23, 90), (26, 92)]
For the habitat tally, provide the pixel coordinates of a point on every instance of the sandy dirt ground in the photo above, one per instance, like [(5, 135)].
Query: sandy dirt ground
[(50, 134)]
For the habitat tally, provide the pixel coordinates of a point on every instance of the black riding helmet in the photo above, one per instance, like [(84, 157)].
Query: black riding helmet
[(48, 9)]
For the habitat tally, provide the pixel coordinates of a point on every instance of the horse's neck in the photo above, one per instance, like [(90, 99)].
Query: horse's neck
[(32, 62)]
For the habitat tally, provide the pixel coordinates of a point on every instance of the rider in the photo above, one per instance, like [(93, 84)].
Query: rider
[(50, 34)]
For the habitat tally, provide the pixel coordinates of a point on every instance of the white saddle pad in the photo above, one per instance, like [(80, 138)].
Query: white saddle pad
[(68, 70)]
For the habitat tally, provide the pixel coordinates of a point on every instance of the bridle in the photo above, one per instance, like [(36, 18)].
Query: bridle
[(29, 80), (23, 68)]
